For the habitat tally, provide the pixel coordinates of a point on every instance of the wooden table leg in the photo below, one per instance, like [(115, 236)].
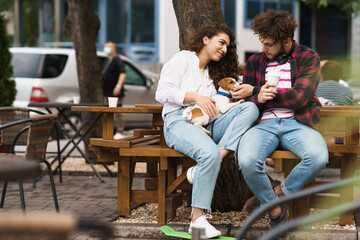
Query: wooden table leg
[(347, 194), (108, 126), (162, 190), (124, 186)]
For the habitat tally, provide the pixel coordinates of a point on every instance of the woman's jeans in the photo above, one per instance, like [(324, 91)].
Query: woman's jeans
[(195, 143), (262, 139)]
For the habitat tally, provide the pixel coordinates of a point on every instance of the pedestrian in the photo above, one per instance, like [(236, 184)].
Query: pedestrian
[(288, 111), (113, 79), (190, 78)]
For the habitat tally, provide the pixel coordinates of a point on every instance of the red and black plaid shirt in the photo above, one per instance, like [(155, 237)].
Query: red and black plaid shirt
[(305, 76)]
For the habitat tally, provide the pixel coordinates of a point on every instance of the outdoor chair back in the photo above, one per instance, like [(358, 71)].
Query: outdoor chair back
[(11, 114), (38, 130)]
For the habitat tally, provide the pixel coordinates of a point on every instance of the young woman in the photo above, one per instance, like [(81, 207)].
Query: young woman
[(190, 78)]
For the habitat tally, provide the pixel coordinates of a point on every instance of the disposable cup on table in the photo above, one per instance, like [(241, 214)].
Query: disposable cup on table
[(112, 101), (76, 99)]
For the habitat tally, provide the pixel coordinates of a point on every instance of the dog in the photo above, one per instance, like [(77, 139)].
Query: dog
[(199, 118)]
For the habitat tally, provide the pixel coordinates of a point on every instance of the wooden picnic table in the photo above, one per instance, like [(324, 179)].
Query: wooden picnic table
[(347, 151)]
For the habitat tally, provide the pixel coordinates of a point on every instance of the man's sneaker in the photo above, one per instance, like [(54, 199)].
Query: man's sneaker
[(190, 174), (282, 217), (201, 222)]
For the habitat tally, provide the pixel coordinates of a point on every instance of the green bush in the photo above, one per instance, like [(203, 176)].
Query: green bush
[(7, 83)]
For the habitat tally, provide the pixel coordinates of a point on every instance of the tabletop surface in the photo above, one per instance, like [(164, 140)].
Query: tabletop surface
[(13, 167), (62, 104), (138, 108)]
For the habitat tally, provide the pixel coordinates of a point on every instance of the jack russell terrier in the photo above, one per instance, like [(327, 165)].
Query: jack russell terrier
[(199, 118)]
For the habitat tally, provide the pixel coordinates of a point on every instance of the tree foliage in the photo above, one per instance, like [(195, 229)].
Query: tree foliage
[(348, 6), (7, 83)]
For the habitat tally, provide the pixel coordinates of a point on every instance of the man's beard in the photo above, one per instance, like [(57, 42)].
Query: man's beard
[(273, 59)]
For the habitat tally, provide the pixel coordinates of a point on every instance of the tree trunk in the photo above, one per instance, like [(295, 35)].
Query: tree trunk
[(191, 14), (82, 26), (231, 190)]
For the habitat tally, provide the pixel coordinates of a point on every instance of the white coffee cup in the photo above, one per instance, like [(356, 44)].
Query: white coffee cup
[(76, 99), (273, 77), (112, 101)]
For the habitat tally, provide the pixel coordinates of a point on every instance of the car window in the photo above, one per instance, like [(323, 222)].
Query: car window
[(37, 65), (26, 65), (53, 65), (133, 77)]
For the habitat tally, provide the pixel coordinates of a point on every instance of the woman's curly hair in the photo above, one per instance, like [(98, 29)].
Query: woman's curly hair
[(277, 25), (228, 66)]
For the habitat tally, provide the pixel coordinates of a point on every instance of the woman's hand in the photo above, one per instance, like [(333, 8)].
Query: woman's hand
[(242, 91), (267, 92), (207, 104)]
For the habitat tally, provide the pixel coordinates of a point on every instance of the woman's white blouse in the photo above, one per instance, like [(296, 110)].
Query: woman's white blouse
[(179, 76)]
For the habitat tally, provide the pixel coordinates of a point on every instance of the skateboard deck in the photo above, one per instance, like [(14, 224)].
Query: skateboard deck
[(168, 231)]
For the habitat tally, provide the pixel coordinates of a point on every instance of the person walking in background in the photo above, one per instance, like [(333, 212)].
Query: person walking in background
[(113, 79), (329, 88), (288, 111), (190, 78)]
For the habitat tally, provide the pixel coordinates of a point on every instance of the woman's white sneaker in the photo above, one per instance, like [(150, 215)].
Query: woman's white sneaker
[(190, 174), (201, 222)]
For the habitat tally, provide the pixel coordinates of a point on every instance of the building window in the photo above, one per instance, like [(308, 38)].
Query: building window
[(254, 7), (228, 8)]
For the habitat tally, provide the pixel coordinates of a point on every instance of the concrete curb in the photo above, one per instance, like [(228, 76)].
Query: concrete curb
[(152, 231)]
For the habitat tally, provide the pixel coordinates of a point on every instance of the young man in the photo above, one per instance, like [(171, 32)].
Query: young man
[(113, 79), (330, 88), (288, 111)]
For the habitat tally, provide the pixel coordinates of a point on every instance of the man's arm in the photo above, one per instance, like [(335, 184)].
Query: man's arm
[(119, 85)]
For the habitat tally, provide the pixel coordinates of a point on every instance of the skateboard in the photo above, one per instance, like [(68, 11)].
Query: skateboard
[(168, 231)]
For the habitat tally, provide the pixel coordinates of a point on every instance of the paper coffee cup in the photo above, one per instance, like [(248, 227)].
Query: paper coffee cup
[(76, 99), (273, 78), (112, 101)]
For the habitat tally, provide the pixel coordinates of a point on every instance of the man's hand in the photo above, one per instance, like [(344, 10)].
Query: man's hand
[(207, 104), (116, 91), (267, 93), (242, 91)]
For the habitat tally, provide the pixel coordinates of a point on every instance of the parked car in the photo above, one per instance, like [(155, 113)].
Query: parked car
[(50, 75)]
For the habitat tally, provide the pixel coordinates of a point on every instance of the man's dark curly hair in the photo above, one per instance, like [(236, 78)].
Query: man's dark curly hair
[(277, 25), (228, 65)]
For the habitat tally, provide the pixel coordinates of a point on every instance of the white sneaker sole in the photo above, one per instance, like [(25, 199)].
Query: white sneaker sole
[(190, 174)]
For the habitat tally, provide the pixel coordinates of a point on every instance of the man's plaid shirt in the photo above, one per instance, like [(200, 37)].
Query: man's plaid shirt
[(305, 76)]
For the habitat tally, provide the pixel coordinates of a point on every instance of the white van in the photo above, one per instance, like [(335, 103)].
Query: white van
[(50, 75)]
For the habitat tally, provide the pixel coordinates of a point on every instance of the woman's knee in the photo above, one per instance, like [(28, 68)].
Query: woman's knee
[(252, 110), (209, 156)]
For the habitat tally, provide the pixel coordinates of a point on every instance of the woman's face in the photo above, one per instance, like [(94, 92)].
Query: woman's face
[(216, 47)]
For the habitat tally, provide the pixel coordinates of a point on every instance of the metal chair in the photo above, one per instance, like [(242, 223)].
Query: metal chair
[(39, 130), (301, 221)]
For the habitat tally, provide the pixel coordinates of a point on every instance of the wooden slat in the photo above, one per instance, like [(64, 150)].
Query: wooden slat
[(150, 151), (283, 154), (143, 196)]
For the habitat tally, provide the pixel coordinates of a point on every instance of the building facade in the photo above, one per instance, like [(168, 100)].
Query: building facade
[(147, 31)]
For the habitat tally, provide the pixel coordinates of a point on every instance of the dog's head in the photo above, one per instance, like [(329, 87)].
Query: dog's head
[(227, 83)]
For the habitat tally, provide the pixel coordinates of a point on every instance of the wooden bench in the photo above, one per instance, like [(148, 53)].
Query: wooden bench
[(162, 168), (150, 147)]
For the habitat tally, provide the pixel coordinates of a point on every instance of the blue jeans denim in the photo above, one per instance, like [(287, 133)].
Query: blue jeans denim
[(262, 139), (195, 143)]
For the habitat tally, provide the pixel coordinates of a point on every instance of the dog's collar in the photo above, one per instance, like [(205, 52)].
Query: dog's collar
[(224, 94)]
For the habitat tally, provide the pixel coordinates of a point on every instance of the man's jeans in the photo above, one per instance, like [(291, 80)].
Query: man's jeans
[(195, 143), (262, 139)]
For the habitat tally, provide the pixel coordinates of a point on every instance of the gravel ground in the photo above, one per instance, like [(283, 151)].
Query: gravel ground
[(147, 213)]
